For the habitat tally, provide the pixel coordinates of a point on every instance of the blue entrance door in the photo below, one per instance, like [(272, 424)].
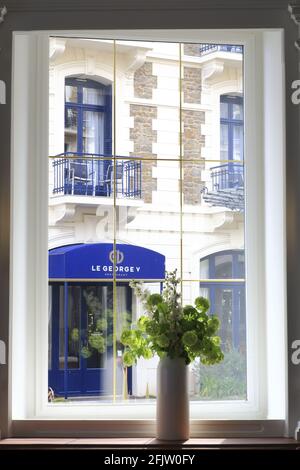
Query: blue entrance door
[(80, 336)]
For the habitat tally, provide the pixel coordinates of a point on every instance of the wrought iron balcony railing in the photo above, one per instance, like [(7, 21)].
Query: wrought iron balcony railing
[(93, 175), (209, 48), (227, 187)]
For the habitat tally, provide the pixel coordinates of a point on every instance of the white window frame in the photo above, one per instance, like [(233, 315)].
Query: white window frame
[(265, 411)]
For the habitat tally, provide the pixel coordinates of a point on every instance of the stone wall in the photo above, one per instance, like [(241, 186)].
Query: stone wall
[(143, 136), (144, 81), (193, 164), (191, 49), (191, 85)]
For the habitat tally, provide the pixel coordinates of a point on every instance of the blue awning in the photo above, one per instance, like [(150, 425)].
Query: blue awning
[(95, 261)]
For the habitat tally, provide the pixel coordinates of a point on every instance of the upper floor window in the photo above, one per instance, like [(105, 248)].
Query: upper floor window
[(232, 128), (87, 117)]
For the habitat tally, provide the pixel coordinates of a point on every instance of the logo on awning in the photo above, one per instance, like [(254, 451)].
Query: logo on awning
[(119, 256)]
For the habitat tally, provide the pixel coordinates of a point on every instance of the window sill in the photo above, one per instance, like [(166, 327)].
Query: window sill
[(144, 429), (151, 443)]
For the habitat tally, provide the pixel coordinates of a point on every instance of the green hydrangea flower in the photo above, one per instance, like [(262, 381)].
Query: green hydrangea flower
[(190, 338), (202, 303), (126, 337), (97, 342), (128, 359), (154, 299), (163, 341)]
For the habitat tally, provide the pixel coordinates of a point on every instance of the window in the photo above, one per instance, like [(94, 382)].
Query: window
[(232, 139), (87, 117), (88, 130), (171, 180)]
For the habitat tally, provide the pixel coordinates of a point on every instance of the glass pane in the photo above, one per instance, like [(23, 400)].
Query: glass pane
[(224, 110), (228, 379), (237, 111), (148, 115), (204, 269), (73, 327), (92, 132), (93, 96), (71, 94), (96, 318), (208, 193), (141, 378), (238, 143), (71, 122), (240, 266), (223, 307), (124, 316), (223, 267), (204, 292), (241, 306), (61, 328), (224, 155), (139, 223), (223, 186), (50, 327), (74, 306)]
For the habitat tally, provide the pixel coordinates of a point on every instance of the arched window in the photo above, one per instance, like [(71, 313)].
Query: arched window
[(87, 117), (232, 125), (223, 282)]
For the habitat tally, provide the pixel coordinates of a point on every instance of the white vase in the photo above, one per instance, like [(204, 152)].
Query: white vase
[(172, 404)]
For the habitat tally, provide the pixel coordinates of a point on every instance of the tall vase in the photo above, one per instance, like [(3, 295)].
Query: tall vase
[(172, 405)]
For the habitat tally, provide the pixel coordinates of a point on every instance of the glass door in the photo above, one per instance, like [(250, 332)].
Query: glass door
[(81, 335)]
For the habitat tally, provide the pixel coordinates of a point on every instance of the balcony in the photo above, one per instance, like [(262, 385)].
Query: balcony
[(210, 48), (227, 183), (93, 175)]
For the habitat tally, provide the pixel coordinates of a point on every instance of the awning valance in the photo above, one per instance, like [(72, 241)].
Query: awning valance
[(95, 261)]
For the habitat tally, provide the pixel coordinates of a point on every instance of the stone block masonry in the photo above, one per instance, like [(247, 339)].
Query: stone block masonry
[(192, 50), (143, 136), (191, 85), (144, 81), (193, 163)]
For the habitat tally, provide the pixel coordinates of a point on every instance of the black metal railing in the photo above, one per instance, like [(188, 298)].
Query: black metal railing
[(209, 48), (227, 187), (93, 175)]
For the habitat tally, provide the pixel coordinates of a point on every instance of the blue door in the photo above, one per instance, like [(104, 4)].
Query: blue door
[(80, 337)]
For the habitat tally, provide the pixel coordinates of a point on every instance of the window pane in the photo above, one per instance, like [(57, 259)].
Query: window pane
[(238, 143), (224, 155), (228, 379), (224, 110), (71, 122), (93, 96), (72, 327), (145, 129), (241, 305), (240, 266), (223, 266), (92, 132), (237, 111), (97, 320), (224, 307), (71, 94), (204, 269), (50, 327)]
